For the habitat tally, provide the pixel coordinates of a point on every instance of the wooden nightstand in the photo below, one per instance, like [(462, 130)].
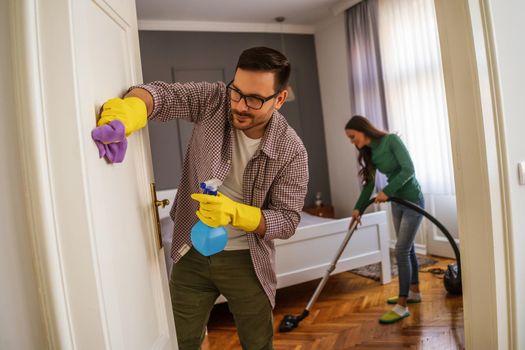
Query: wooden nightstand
[(325, 211)]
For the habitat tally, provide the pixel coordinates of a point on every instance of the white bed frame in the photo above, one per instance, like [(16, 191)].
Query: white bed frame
[(308, 253)]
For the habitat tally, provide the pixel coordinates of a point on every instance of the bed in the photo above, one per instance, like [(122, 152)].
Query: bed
[(308, 253)]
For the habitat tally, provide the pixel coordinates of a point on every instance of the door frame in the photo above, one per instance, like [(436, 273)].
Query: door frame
[(480, 176), (478, 150), (36, 170)]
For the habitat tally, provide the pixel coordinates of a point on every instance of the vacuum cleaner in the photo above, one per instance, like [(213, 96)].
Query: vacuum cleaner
[(451, 278)]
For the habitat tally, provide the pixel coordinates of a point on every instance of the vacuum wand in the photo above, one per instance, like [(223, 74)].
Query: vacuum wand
[(290, 321), (331, 268)]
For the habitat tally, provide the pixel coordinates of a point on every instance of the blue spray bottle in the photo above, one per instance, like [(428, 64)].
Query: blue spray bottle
[(206, 239)]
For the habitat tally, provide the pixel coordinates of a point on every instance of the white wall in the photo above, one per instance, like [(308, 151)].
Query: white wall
[(331, 51), (509, 45), (21, 325)]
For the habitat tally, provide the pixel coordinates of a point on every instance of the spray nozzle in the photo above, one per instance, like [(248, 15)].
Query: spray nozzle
[(211, 186)]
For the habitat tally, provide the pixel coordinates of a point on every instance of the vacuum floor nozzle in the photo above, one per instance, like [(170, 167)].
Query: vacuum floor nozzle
[(290, 322)]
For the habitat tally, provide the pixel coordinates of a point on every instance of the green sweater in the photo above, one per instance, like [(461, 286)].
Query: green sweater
[(390, 156)]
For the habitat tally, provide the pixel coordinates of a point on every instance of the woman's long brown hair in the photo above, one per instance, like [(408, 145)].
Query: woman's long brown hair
[(360, 123)]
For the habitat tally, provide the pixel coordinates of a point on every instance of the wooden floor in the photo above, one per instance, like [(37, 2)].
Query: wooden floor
[(346, 317)]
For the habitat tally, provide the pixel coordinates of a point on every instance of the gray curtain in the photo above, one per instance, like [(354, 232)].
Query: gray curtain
[(367, 94)]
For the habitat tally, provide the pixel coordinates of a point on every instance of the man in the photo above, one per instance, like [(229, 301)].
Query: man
[(240, 138)]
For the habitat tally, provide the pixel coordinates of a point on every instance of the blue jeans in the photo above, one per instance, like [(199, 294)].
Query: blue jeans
[(406, 223)]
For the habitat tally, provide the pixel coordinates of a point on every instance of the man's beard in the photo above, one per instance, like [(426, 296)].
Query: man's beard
[(242, 114)]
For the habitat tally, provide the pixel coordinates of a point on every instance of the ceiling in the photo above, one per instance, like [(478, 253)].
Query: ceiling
[(296, 12)]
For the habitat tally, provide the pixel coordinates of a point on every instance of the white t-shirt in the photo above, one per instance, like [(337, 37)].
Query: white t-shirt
[(243, 150)]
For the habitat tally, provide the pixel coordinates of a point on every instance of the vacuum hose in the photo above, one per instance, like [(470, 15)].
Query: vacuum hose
[(451, 279)]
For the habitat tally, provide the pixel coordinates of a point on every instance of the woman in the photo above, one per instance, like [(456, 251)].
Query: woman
[(387, 153)]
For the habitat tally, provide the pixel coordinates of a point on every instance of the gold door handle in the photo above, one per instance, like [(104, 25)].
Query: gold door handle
[(156, 204), (162, 203)]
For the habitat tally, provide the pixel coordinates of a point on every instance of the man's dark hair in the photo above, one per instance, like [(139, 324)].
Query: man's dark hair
[(266, 59)]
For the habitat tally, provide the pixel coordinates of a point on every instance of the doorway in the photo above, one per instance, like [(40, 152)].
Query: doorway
[(80, 320)]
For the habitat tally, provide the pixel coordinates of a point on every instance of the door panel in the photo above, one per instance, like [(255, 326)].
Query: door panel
[(133, 291)]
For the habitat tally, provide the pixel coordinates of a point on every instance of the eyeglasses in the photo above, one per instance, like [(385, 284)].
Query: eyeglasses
[(253, 102)]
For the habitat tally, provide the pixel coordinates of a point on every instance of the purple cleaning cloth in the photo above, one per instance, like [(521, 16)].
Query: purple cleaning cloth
[(111, 141)]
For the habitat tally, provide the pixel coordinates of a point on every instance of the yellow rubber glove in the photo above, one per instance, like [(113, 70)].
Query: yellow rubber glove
[(220, 210), (131, 111)]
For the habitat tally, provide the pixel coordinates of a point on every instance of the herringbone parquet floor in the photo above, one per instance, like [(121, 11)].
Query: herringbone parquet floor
[(346, 317)]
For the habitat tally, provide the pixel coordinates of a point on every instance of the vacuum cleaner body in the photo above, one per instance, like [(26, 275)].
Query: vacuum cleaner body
[(452, 280)]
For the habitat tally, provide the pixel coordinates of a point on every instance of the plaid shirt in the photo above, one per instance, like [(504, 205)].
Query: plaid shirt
[(275, 179)]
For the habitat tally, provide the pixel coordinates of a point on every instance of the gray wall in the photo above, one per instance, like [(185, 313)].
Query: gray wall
[(186, 56)]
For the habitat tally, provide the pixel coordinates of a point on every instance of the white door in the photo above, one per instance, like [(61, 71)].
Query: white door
[(132, 278), (110, 289)]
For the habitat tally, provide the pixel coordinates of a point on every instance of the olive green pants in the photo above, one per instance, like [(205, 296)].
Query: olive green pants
[(195, 283)]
